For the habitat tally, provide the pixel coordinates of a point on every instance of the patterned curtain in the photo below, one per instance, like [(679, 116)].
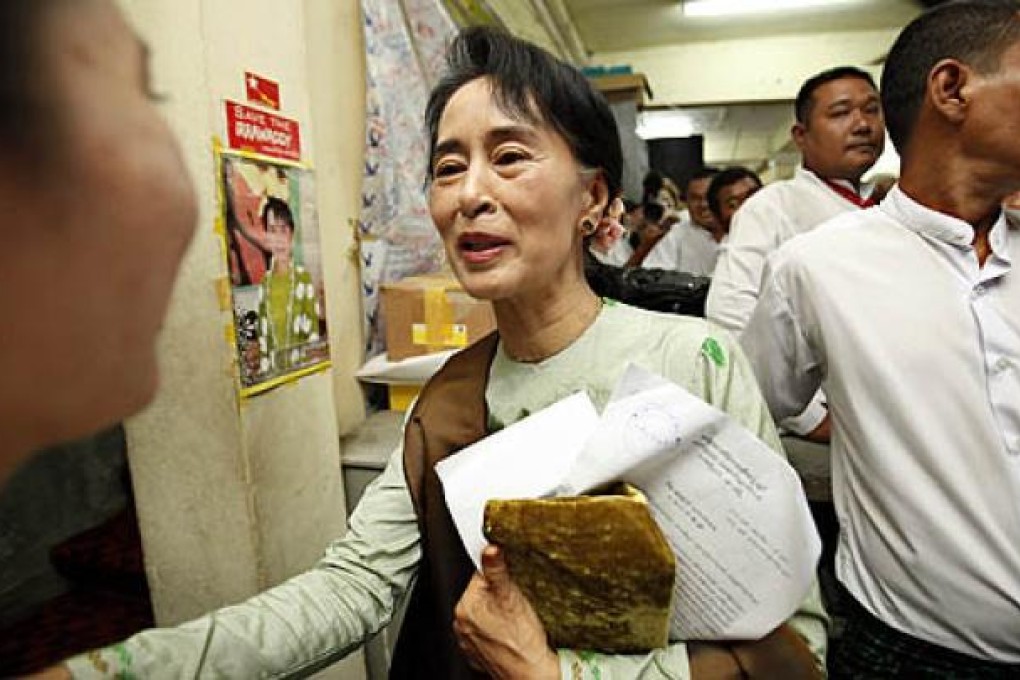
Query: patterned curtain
[(472, 13), (405, 43)]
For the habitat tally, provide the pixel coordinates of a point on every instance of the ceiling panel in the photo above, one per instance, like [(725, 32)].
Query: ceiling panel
[(625, 25)]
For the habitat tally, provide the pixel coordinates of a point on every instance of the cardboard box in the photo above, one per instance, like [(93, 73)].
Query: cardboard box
[(432, 313)]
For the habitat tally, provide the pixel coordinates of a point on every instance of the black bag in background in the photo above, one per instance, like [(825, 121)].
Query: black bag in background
[(660, 290)]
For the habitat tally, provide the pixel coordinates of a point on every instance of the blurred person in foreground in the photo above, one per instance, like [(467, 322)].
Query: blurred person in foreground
[(99, 213), (908, 315), (525, 168)]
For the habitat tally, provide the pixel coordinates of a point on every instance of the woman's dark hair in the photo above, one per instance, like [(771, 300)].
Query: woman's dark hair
[(24, 114), (532, 85), (975, 32), (277, 207)]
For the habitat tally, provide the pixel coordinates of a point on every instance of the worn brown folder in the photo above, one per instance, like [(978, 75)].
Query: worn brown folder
[(597, 569)]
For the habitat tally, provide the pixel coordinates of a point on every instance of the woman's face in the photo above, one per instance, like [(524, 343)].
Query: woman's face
[(508, 198), (280, 234), (104, 227)]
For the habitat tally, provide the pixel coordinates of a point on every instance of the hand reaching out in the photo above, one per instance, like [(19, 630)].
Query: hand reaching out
[(497, 628)]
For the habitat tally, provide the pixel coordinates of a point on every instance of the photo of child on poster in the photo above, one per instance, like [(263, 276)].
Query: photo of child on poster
[(275, 269)]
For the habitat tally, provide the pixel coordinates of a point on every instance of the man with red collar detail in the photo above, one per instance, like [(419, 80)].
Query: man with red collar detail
[(840, 132)]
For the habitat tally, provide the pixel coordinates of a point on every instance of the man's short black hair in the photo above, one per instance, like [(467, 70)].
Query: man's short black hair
[(653, 211), (975, 32), (704, 172), (652, 182), (806, 95), (729, 176)]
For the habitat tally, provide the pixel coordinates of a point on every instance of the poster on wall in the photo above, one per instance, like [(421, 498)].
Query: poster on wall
[(263, 133), (271, 235)]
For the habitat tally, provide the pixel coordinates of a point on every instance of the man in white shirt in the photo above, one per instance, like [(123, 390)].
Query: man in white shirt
[(692, 244), (840, 134), (908, 315)]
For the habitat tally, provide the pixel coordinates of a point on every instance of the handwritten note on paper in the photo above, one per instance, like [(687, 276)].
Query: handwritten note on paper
[(731, 508)]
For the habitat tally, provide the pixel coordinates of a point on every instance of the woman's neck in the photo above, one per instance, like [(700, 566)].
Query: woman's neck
[(281, 265), (534, 330)]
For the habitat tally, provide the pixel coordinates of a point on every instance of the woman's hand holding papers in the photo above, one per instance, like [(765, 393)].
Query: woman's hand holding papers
[(497, 628)]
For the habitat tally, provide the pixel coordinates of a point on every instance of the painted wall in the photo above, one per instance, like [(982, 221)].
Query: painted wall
[(236, 496)]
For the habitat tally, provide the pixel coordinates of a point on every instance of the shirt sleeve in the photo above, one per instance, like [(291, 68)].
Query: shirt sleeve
[(666, 253), (669, 662), (782, 358), (810, 418), (300, 626), (737, 276)]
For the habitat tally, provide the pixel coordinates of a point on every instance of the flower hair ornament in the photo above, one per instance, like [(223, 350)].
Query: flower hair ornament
[(609, 230)]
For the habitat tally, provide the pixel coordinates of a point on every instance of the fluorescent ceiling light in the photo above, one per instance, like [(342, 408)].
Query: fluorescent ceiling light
[(724, 8), (664, 124)]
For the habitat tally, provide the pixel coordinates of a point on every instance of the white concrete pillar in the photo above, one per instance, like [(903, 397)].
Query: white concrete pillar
[(234, 496)]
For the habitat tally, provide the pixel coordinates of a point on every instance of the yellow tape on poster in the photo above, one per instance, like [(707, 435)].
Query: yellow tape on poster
[(283, 379)]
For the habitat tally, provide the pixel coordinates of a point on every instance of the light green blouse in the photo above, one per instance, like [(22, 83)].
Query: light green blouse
[(317, 617)]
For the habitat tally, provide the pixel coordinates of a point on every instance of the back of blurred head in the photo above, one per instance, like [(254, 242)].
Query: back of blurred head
[(98, 213)]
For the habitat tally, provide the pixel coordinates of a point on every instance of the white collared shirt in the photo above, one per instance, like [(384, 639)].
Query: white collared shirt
[(768, 219), (687, 247), (917, 348)]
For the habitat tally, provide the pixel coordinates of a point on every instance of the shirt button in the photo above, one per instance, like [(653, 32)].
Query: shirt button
[(1001, 365), (979, 290)]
